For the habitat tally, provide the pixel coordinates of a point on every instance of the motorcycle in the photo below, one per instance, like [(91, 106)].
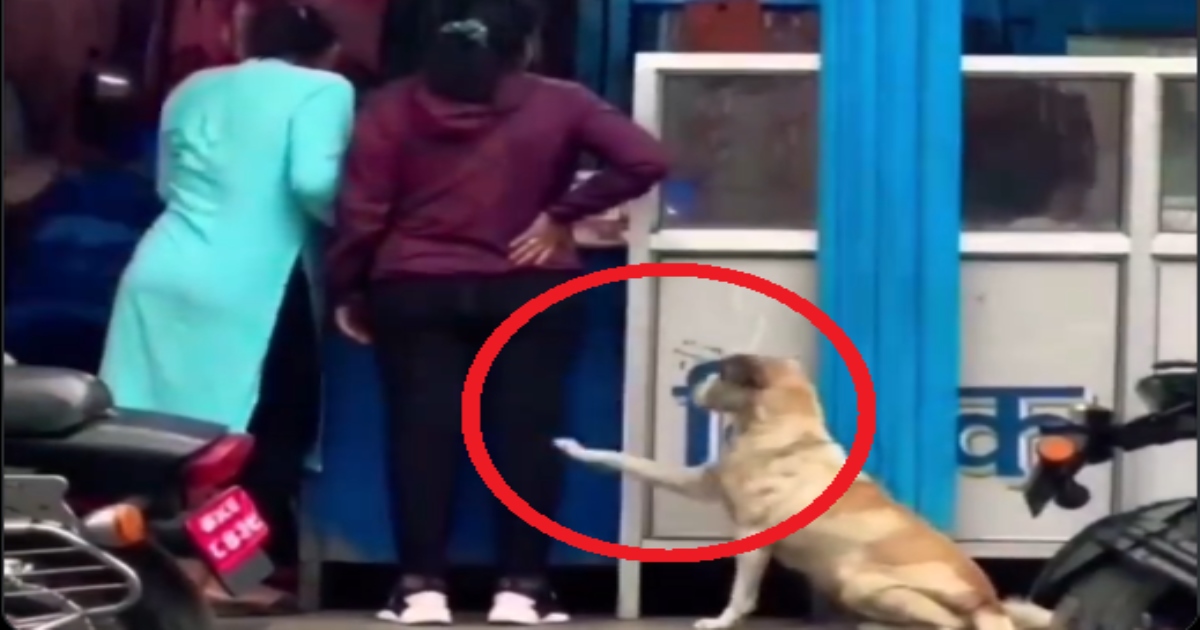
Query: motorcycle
[(1137, 569), (99, 501)]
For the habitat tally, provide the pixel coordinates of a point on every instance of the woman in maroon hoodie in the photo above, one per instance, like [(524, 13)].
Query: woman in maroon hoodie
[(456, 209)]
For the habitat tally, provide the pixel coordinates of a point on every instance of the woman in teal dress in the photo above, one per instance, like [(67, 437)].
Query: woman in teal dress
[(249, 158)]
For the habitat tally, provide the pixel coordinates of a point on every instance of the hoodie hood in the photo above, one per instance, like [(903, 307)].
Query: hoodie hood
[(441, 118)]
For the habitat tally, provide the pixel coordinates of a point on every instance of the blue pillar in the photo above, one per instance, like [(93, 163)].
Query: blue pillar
[(891, 111), (618, 51), (589, 45)]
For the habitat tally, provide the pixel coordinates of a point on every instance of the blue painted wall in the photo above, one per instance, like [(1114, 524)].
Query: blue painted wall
[(58, 293)]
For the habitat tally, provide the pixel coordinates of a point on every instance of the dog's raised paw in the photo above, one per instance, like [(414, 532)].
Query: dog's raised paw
[(571, 447)]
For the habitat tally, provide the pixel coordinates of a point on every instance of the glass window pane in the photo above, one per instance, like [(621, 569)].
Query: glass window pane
[(1109, 46), (1043, 154), (1179, 156), (744, 148)]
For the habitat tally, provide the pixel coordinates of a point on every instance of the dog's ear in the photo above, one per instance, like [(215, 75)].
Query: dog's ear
[(743, 370)]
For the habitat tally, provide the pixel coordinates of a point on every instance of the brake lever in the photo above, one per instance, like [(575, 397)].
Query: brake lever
[(1053, 479), (1039, 490), (1062, 451)]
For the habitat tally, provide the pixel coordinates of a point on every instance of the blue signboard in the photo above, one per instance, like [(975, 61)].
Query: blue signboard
[(997, 424)]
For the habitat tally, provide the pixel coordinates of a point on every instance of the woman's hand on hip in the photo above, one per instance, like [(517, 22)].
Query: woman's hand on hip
[(350, 322), (539, 242)]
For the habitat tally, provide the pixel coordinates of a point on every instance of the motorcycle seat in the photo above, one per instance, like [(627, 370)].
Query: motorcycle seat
[(42, 401)]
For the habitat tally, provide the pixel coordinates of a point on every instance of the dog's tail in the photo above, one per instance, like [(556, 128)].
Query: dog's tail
[(1028, 615), (992, 617)]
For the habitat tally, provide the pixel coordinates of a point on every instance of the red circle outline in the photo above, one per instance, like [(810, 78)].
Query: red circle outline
[(857, 458)]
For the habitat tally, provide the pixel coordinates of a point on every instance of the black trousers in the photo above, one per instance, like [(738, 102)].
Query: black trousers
[(285, 421), (427, 331)]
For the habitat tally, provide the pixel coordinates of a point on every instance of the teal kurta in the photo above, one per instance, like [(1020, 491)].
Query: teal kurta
[(249, 158)]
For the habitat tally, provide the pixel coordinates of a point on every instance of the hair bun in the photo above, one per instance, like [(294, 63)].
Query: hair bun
[(302, 10), (471, 29)]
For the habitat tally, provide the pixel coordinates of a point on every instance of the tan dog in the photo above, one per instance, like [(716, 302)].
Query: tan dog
[(872, 555)]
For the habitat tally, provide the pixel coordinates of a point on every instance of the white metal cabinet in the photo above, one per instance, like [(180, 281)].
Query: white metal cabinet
[(1087, 307)]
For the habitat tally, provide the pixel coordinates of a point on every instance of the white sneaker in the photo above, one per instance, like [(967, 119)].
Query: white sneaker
[(422, 608), (525, 606)]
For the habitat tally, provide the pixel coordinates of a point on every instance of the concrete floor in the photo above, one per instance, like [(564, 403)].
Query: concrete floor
[(363, 621)]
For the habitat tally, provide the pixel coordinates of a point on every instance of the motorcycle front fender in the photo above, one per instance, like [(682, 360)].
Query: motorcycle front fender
[(1110, 538)]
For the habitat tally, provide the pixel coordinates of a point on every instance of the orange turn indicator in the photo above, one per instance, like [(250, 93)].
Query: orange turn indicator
[(129, 524), (118, 525), (1055, 449)]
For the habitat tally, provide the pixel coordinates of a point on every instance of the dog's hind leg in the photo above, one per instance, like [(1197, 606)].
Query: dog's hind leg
[(886, 599), (946, 587), (743, 597), (696, 482)]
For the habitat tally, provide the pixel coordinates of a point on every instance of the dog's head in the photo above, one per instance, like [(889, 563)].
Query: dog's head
[(756, 387)]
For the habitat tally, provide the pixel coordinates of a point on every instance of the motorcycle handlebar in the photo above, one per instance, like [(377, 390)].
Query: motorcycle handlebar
[(1064, 450)]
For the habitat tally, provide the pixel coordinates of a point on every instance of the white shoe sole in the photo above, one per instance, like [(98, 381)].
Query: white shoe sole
[(432, 620), (427, 608)]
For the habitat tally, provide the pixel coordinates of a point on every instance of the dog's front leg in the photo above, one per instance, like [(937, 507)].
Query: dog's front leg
[(743, 597), (697, 482)]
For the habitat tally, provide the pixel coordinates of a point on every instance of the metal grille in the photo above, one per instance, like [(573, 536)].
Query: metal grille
[(55, 579), (52, 576)]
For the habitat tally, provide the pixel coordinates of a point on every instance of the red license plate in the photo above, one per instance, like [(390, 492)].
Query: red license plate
[(228, 530)]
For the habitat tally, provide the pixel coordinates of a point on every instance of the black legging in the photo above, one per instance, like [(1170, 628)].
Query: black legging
[(426, 332), (285, 421)]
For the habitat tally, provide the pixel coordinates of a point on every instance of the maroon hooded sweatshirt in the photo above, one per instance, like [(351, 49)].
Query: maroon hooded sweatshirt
[(434, 187)]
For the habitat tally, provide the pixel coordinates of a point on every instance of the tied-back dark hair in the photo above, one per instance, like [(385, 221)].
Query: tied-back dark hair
[(288, 30), (468, 57)]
